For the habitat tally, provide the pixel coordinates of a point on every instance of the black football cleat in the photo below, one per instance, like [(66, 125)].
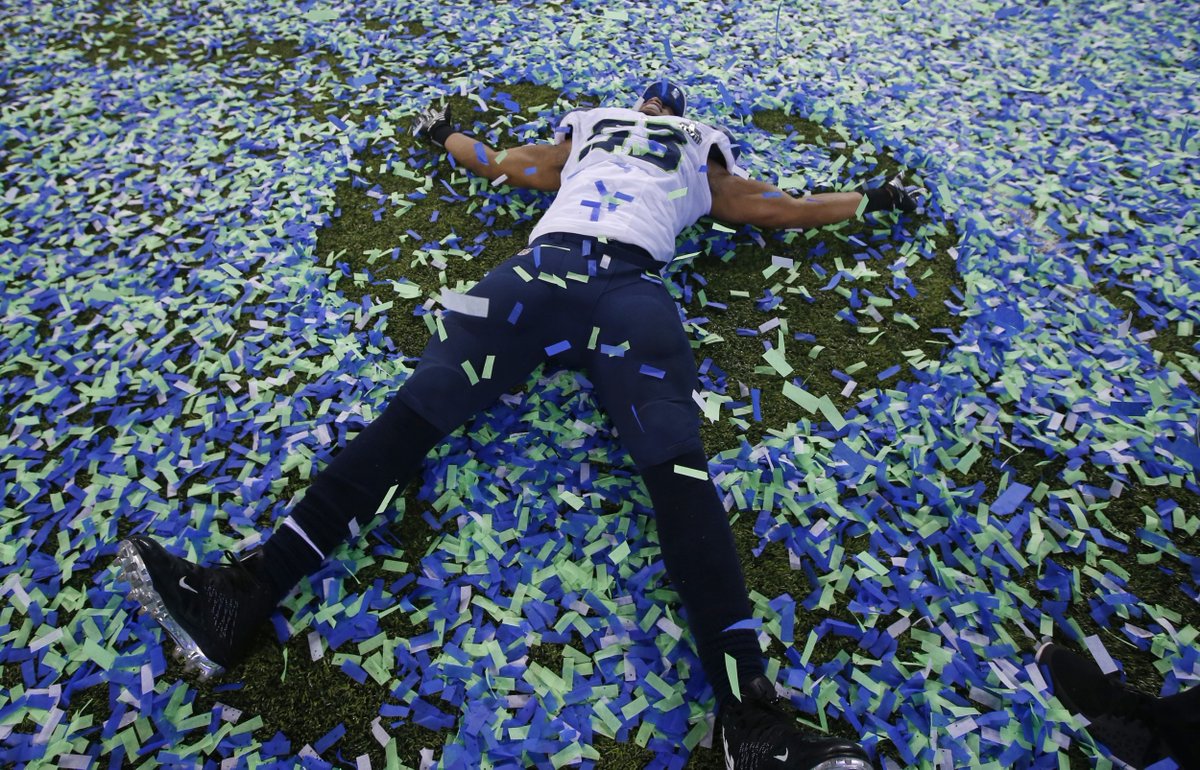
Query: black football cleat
[(1122, 719), (758, 733), (211, 613)]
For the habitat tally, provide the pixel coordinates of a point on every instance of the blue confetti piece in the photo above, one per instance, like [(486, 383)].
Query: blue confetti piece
[(749, 624), (354, 671), (330, 738), (516, 313), (1130, 408), (558, 347), (1187, 451), (651, 371), (1010, 498), (843, 452)]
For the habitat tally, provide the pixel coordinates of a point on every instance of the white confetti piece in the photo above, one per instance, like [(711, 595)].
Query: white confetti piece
[(464, 303)]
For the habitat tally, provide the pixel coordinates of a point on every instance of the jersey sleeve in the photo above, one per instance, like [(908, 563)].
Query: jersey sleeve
[(719, 139), (569, 124)]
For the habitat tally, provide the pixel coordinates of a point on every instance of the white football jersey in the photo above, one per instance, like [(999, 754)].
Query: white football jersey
[(634, 178)]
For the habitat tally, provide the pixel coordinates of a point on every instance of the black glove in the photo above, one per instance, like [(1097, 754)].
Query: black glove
[(891, 197), (434, 124)]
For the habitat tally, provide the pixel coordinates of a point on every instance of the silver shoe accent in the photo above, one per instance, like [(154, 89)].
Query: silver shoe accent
[(844, 763), (134, 572)]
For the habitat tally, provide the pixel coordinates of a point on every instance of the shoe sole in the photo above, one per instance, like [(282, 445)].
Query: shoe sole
[(837, 763), (134, 572), (844, 763)]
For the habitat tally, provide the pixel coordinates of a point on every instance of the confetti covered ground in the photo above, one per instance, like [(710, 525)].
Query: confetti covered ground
[(941, 438)]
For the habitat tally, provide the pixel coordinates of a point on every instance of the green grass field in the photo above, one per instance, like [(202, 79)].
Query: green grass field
[(977, 428)]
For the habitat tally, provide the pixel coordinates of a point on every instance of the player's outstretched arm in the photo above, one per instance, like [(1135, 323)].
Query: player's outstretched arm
[(745, 201), (536, 166)]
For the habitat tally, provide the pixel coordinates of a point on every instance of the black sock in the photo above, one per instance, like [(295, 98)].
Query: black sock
[(387, 453), (702, 562)]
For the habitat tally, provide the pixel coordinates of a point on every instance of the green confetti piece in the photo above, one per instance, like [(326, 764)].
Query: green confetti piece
[(731, 671), (968, 459), (806, 400), (575, 501), (695, 735), (775, 358), (658, 684), (100, 655), (321, 14), (694, 473), (620, 553), (635, 707), (831, 413), (387, 499)]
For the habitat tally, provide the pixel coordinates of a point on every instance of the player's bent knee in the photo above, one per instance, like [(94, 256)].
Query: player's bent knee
[(444, 395), (661, 431)]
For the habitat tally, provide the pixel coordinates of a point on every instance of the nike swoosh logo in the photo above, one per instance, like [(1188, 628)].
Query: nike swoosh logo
[(783, 757), (728, 757), (183, 584)]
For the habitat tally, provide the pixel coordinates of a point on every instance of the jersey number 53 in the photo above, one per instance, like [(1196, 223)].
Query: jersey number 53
[(662, 145)]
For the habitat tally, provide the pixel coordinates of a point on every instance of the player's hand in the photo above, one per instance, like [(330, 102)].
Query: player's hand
[(893, 196), (903, 198), (434, 123)]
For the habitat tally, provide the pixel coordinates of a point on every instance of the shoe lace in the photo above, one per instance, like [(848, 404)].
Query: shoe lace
[(234, 570)]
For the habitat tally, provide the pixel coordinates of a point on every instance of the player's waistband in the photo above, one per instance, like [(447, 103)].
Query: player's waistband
[(624, 252)]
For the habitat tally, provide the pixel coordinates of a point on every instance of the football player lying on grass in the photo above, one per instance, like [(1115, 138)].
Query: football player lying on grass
[(628, 181)]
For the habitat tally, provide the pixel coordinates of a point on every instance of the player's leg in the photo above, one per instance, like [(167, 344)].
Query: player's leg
[(647, 392), (212, 613), (463, 370)]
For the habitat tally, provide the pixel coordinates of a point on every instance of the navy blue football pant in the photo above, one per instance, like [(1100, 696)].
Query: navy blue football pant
[(573, 302)]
